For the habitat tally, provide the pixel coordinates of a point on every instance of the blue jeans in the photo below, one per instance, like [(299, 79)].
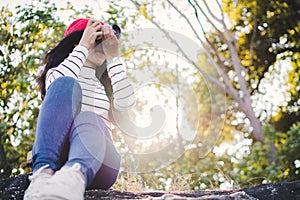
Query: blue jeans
[(66, 136)]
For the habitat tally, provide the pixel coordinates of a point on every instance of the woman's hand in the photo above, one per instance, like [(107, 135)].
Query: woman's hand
[(91, 33), (110, 43)]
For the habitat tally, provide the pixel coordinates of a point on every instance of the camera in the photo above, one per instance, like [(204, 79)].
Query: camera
[(117, 32)]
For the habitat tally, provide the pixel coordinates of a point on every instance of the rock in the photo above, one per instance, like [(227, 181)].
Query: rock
[(14, 187)]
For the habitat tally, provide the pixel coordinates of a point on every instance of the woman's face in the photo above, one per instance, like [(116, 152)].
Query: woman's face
[(96, 56)]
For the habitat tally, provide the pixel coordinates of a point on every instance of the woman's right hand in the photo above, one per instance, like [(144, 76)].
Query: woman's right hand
[(91, 33)]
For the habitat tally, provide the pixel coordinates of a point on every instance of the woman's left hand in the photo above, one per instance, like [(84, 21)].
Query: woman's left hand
[(110, 42)]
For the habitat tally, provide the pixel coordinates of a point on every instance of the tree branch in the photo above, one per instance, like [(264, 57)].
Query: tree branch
[(211, 13), (252, 41), (206, 75), (233, 52), (242, 97), (220, 69)]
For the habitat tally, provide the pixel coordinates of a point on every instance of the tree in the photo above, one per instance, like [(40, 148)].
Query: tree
[(270, 36), (240, 52), (223, 53), (256, 166), (24, 38)]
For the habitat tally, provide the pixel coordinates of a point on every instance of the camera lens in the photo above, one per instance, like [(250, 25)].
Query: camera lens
[(117, 32)]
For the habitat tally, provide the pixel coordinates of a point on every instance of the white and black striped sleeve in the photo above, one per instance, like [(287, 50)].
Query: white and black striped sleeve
[(123, 92), (69, 67)]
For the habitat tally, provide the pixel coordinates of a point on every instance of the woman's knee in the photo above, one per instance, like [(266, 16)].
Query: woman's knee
[(89, 128), (66, 91), (66, 85), (91, 118)]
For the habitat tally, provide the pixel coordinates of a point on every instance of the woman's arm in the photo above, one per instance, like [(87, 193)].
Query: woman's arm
[(123, 93), (72, 64), (69, 67)]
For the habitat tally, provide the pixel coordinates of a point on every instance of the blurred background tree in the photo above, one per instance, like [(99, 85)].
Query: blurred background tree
[(25, 34), (266, 40), (265, 57)]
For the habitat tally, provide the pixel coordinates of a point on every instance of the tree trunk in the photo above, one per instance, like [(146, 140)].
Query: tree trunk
[(3, 161), (254, 122)]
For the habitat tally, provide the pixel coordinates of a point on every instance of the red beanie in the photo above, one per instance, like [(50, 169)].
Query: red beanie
[(77, 25)]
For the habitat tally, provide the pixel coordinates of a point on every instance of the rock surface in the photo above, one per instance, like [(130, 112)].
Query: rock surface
[(14, 187)]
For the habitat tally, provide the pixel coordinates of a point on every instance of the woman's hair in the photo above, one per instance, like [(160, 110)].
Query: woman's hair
[(57, 55)]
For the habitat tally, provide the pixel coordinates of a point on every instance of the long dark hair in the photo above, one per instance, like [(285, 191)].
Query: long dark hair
[(60, 52)]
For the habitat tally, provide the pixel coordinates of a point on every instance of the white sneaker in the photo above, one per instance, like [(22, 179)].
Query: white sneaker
[(66, 184), (38, 182)]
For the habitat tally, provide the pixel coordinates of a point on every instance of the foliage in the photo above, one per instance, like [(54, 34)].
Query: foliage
[(284, 169), (24, 38), (266, 33), (268, 36)]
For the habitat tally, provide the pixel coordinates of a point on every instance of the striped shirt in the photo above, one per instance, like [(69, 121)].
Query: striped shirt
[(94, 97)]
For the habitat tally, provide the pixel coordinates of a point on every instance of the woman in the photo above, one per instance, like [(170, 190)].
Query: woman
[(73, 149)]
